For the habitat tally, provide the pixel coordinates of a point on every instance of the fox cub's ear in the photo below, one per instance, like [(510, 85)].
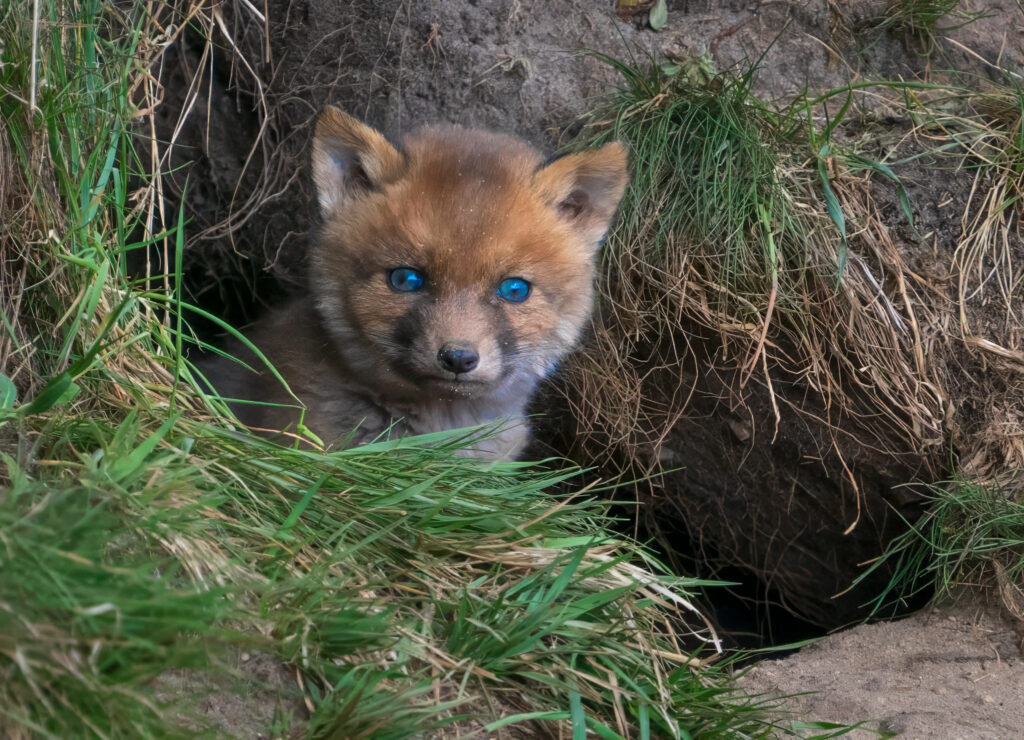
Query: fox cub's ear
[(586, 188), (350, 158)]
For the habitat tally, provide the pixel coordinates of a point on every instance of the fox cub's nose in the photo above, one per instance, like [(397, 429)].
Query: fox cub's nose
[(457, 359)]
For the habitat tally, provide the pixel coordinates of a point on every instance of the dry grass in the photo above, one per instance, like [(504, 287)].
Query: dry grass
[(978, 328), (760, 247), (754, 261)]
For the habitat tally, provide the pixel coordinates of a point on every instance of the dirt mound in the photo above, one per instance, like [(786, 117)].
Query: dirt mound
[(801, 396)]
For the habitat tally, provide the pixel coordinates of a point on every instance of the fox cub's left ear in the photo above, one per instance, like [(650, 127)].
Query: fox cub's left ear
[(350, 158), (586, 188)]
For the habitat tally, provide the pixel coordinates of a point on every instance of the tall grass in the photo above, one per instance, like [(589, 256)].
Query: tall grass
[(399, 589)]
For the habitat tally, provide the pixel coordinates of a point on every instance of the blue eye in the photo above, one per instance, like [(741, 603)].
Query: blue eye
[(405, 279), (514, 290)]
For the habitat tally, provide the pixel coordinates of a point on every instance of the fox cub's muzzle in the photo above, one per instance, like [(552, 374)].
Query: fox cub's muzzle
[(457, 358)]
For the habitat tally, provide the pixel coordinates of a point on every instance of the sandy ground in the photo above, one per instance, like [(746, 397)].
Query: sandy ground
[(262, 702), (955, 672)]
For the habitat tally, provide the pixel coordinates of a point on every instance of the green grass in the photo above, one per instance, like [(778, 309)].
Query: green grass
[(922, 20), (92, 609), (133, 559), (411, 590), (706, 158), (971, 535), (920, 17)]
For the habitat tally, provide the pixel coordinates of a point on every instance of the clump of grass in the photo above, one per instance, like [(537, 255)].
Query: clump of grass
[(971, 534), (91, 609), (404, 589), (142, 551), (920, 17), (706, 160), (736, 223), (920, 20)]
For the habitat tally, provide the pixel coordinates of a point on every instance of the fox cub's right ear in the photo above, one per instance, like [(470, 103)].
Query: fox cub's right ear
[(350, 158)]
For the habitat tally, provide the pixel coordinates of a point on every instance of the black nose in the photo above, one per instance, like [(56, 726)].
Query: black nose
[(458, 359)]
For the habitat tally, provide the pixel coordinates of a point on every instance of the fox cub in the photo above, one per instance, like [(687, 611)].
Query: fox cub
[(448, 278)]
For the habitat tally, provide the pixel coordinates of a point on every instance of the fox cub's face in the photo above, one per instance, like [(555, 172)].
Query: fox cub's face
[(461, 265)]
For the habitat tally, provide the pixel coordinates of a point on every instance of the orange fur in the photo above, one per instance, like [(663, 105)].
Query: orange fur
[(467, 209)]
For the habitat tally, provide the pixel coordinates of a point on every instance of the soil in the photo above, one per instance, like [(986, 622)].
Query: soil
[(948, 673), (771, 515), (263, 701)]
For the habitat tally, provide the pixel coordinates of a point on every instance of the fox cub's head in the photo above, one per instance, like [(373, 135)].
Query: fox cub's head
[(460, 265)]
